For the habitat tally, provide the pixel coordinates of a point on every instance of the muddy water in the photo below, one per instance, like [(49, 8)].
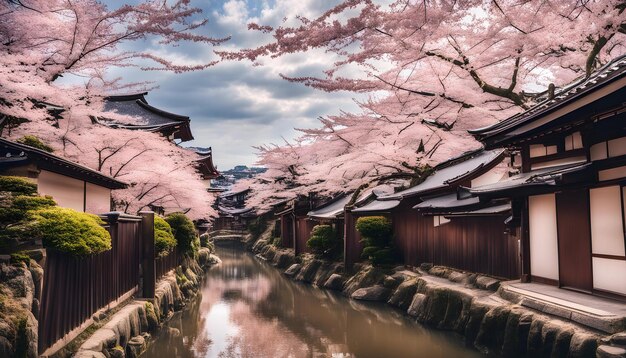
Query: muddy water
[(248, 309)]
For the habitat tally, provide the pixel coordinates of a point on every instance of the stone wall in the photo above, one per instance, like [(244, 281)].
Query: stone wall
[(127, 332), (449, 300), (20, 287)]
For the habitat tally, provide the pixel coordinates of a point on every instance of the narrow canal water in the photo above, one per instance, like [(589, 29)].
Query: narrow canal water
[(248, 309)]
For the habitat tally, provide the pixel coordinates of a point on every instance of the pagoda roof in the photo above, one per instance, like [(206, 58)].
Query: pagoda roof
[(152, 119), (205, 166)]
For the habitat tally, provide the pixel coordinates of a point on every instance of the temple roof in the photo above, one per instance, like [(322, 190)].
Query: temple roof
[(544, 112), (16, 154), (205, 164), (152, 118)]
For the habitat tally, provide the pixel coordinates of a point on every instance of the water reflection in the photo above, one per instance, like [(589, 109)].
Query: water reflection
[(247, 309)]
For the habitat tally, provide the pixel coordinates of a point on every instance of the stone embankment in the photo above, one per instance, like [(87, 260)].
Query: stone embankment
[(468, 304), (126, 333), (20, 289)]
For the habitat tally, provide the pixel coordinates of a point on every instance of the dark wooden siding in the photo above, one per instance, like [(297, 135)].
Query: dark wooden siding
[(286, 231), (352, 243), (303, 233), (477, 244), (166, 263)]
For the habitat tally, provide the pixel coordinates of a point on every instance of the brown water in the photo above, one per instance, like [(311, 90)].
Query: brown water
[(248, 309)]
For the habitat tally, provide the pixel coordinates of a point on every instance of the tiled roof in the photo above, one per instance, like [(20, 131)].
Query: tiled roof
[(151, 118), (452, 170), (511, 126), (11, 151)]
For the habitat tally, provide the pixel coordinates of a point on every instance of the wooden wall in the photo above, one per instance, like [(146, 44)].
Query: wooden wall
[(303, 233), (477, 244), (286, 230), (352, 241)]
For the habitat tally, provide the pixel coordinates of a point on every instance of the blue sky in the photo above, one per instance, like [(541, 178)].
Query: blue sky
[(234, 105)]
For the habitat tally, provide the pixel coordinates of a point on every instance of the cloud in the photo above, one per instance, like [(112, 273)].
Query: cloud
[(235, 105)]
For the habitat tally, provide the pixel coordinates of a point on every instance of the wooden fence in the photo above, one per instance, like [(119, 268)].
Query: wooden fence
[(164, 264), (76, 288)]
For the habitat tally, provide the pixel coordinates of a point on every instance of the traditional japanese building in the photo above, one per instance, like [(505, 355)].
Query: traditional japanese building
[(71, 185), (569, 196), (204, 165), (175, 127), (435, 222), (232, 210)]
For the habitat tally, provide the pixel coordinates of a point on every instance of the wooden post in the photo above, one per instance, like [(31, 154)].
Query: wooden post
[(348, 239), (525, 273), (147, 259)]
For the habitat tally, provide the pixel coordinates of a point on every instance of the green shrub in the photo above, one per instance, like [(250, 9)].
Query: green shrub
[(164, 241), (35, 142), (184, 232), (377, 234), (324, 241), (17, 185), (70, 231), (16, 209)]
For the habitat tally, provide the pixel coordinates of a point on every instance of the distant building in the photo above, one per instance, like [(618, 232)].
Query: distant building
[(71, 185)]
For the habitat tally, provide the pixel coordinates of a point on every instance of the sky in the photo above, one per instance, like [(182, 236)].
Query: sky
[(235, 105)]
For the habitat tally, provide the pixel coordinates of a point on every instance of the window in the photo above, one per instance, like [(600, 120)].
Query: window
[(540, 150), (573, 141), (612, 148), (440, 220)]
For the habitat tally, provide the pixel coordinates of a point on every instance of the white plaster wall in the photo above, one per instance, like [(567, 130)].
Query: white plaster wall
[(609, 275), (98, 199), (607, 235), (544, 256), (66, 191)]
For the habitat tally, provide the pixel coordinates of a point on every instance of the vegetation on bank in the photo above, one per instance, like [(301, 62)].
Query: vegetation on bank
[(184, 232), (325, 242), (164, 241), (377, 234), (70, 231)]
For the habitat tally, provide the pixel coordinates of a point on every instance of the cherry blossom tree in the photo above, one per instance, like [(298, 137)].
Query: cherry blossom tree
[(43, 40), (431, 70)]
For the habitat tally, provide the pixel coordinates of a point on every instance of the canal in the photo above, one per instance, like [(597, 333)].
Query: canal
[(248, 309)]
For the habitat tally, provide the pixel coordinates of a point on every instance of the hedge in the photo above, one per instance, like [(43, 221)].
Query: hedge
[(164, 241), (324, 240), (17, 185), (70, 231), (184, 232), (377, 234)]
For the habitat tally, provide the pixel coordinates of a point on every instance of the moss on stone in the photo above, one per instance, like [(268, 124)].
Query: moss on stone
[(151, 316)]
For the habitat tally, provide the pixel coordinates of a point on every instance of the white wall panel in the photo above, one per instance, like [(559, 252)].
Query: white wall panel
[(607, 233), (609, 275), (544, 257)]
